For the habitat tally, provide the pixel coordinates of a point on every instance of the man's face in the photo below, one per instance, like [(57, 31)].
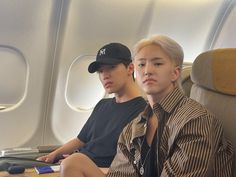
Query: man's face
[(155, 72), (114, 77)]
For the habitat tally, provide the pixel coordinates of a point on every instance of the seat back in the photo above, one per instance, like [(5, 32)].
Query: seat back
[(214, 86), (186, 82)]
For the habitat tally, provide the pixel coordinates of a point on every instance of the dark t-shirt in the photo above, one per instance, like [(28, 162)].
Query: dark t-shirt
[(102, 129)]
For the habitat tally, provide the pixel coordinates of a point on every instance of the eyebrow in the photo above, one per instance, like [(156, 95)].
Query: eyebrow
[(152, 59)]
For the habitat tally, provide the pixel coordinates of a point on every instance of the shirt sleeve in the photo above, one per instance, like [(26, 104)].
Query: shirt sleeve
[(123, 163), (194, 150)]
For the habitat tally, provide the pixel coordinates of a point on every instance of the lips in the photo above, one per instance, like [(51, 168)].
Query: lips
[(147, 81), (107, 84)]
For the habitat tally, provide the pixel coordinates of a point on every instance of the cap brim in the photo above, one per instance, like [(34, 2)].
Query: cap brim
[(93, 67)]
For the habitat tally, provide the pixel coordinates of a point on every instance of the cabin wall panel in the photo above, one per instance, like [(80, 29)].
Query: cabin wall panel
[(54, 37), (29, 27)]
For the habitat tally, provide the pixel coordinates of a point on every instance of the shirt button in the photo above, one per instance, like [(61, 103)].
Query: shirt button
[(135, 162)]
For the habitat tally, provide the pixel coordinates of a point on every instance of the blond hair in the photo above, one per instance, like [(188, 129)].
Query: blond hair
[(168, 45), (171, 47)]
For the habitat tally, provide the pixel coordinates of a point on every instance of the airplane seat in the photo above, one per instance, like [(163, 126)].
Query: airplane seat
[(186, 81), (214, 86)]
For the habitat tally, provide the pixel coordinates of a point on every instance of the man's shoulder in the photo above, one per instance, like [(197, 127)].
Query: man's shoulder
[(105, 100), (139, 100), (136, 125), (190, 110), (193, 106)]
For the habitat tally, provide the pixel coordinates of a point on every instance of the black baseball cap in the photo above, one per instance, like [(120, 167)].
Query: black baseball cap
[(111, 54)]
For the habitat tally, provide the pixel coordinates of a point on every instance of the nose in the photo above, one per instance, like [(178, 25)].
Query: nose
[(147, 73), (104, 75), (148, 69)]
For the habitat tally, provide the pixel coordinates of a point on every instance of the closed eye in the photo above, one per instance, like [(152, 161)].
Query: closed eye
[(158, 64)]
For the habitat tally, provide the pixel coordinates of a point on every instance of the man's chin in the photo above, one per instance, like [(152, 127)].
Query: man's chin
[(109, 91), (148, 91)]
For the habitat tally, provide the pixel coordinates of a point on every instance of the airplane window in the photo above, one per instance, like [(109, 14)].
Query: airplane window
[(84, 89), (13, 77)]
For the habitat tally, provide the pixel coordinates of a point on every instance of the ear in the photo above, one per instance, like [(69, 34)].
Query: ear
[(130, 68), (176, 73)]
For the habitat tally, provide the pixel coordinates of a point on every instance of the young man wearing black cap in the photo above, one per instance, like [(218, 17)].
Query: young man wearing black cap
[(174, 136), (98, 138)]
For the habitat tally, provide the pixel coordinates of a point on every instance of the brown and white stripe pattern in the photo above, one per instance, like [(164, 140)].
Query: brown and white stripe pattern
[(192, 143)]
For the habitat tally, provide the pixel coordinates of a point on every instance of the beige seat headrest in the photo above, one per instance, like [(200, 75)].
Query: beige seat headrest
[(216, 70)]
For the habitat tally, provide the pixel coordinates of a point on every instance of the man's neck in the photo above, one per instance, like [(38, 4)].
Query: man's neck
[(156, 98), (128, 93)]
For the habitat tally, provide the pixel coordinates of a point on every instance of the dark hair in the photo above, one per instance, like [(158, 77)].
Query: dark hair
[(127, 63)]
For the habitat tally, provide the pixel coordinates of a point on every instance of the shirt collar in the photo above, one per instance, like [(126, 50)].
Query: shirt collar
[(167, 104), (171, 100)]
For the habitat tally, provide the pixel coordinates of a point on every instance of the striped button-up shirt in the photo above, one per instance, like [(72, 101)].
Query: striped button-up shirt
[(192, 142)]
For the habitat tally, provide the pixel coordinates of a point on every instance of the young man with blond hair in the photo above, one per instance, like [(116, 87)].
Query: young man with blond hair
[(174, 135)]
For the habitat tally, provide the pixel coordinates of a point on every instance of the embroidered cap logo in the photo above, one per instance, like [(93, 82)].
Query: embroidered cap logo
[(102, 52)]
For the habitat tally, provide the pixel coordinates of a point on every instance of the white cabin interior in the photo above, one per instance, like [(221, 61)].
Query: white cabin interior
[(46, 93)]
